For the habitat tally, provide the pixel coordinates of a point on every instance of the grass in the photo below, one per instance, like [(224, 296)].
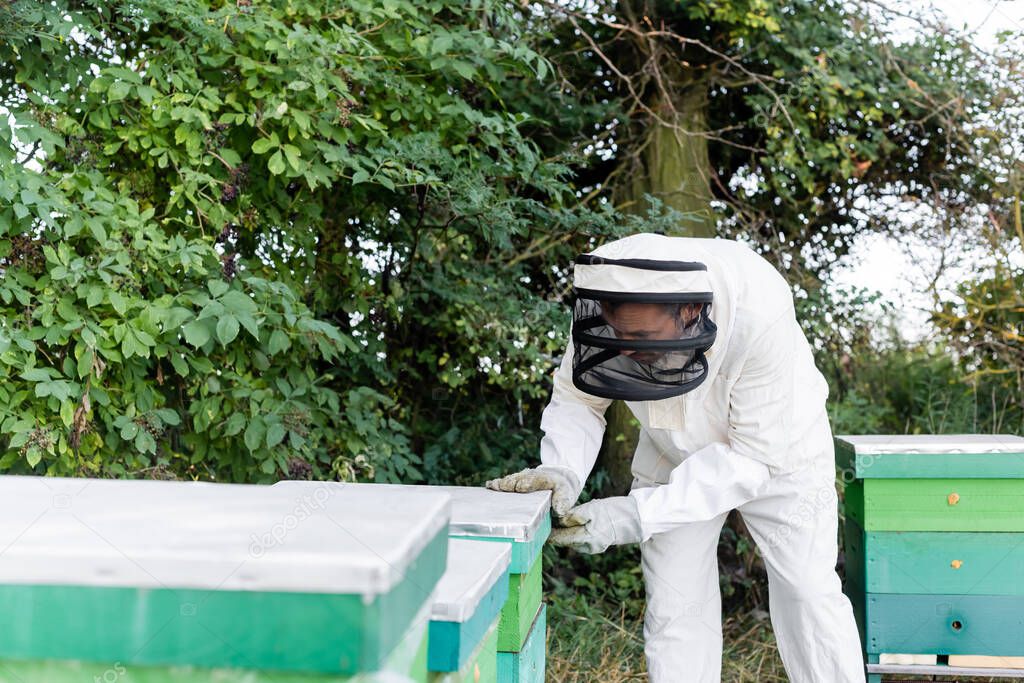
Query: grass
[(590, 641)]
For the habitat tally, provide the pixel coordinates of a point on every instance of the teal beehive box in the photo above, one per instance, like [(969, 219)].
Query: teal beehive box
[(528, 664), (934, 537), (196, 582), (466, 607), (522, 521)]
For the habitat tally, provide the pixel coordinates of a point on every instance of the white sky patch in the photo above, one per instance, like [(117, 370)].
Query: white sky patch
[(901, 269)]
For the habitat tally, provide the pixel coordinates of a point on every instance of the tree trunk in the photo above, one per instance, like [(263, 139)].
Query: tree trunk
[(672, 165)]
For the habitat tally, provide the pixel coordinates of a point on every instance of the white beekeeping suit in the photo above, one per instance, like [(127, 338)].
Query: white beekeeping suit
[(743, 427)]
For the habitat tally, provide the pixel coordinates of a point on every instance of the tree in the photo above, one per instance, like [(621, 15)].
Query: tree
[(248, 240), (794, 127)]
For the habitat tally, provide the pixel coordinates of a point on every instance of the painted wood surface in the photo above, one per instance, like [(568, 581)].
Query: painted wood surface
[(932, 562), (407, 662), (983, 662), (937, 504), (853, 502), (945, 624), (524, 552), (453, 643), (340, 634), (856, 595), (527, 665), (944, 672), (87, 672), (942, 457), (482, 666), (524, 598)]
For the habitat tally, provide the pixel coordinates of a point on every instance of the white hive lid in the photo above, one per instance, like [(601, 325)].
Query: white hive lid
[(874, 444), (474, 567), (347, 538), (477, 511)]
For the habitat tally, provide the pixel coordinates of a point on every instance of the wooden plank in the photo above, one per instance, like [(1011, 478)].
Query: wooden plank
[(527, 665), (945, 624), (943, 505), (983, 662), (944, 562), (940, 670), (524, 598)]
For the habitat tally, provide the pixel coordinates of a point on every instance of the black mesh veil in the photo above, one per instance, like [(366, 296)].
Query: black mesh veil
[(637, 347)]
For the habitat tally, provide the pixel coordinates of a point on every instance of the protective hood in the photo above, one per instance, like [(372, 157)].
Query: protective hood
[(644, 318)]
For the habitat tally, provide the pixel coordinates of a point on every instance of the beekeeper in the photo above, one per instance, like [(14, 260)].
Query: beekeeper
[(699, 337)]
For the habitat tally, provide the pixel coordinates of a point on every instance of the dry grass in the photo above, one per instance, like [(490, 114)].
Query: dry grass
[(591, 643), (588, 643)]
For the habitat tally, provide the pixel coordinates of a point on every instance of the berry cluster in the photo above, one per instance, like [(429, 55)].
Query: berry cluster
[(237, 178)]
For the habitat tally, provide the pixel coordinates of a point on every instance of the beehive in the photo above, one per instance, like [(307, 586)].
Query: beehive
[(521, 520), (463, 643), (197, 582), (934, 538)]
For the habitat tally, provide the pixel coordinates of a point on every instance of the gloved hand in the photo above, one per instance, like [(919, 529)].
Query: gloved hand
[(593, 527), (561, 481)]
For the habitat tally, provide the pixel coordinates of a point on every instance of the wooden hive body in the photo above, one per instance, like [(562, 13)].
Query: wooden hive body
[(934, 537)]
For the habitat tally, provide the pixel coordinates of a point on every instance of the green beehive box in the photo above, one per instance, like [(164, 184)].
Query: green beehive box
[(528, 664), (934, 538), (467, 603), (521, 520), (185, 581)]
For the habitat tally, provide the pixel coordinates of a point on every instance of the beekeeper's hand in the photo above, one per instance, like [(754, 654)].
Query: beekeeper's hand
[(561, 481), (595, 526)]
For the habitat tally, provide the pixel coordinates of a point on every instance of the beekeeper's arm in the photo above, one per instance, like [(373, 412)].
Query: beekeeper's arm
[(718, 477), (573, 425), (723, 476)]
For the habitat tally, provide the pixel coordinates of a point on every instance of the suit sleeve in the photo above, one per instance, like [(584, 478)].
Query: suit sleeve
[(573, 424), (723, 476)]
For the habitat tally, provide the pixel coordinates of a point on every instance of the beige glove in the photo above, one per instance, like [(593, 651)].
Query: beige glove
[(561, 481), (593, 527)]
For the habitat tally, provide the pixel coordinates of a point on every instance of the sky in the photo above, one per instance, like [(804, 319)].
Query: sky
[(900, 269)]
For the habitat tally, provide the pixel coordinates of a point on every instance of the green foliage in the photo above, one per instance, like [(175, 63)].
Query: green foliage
[(117, 335), (613, 577), (984, 321), (242, 240)]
